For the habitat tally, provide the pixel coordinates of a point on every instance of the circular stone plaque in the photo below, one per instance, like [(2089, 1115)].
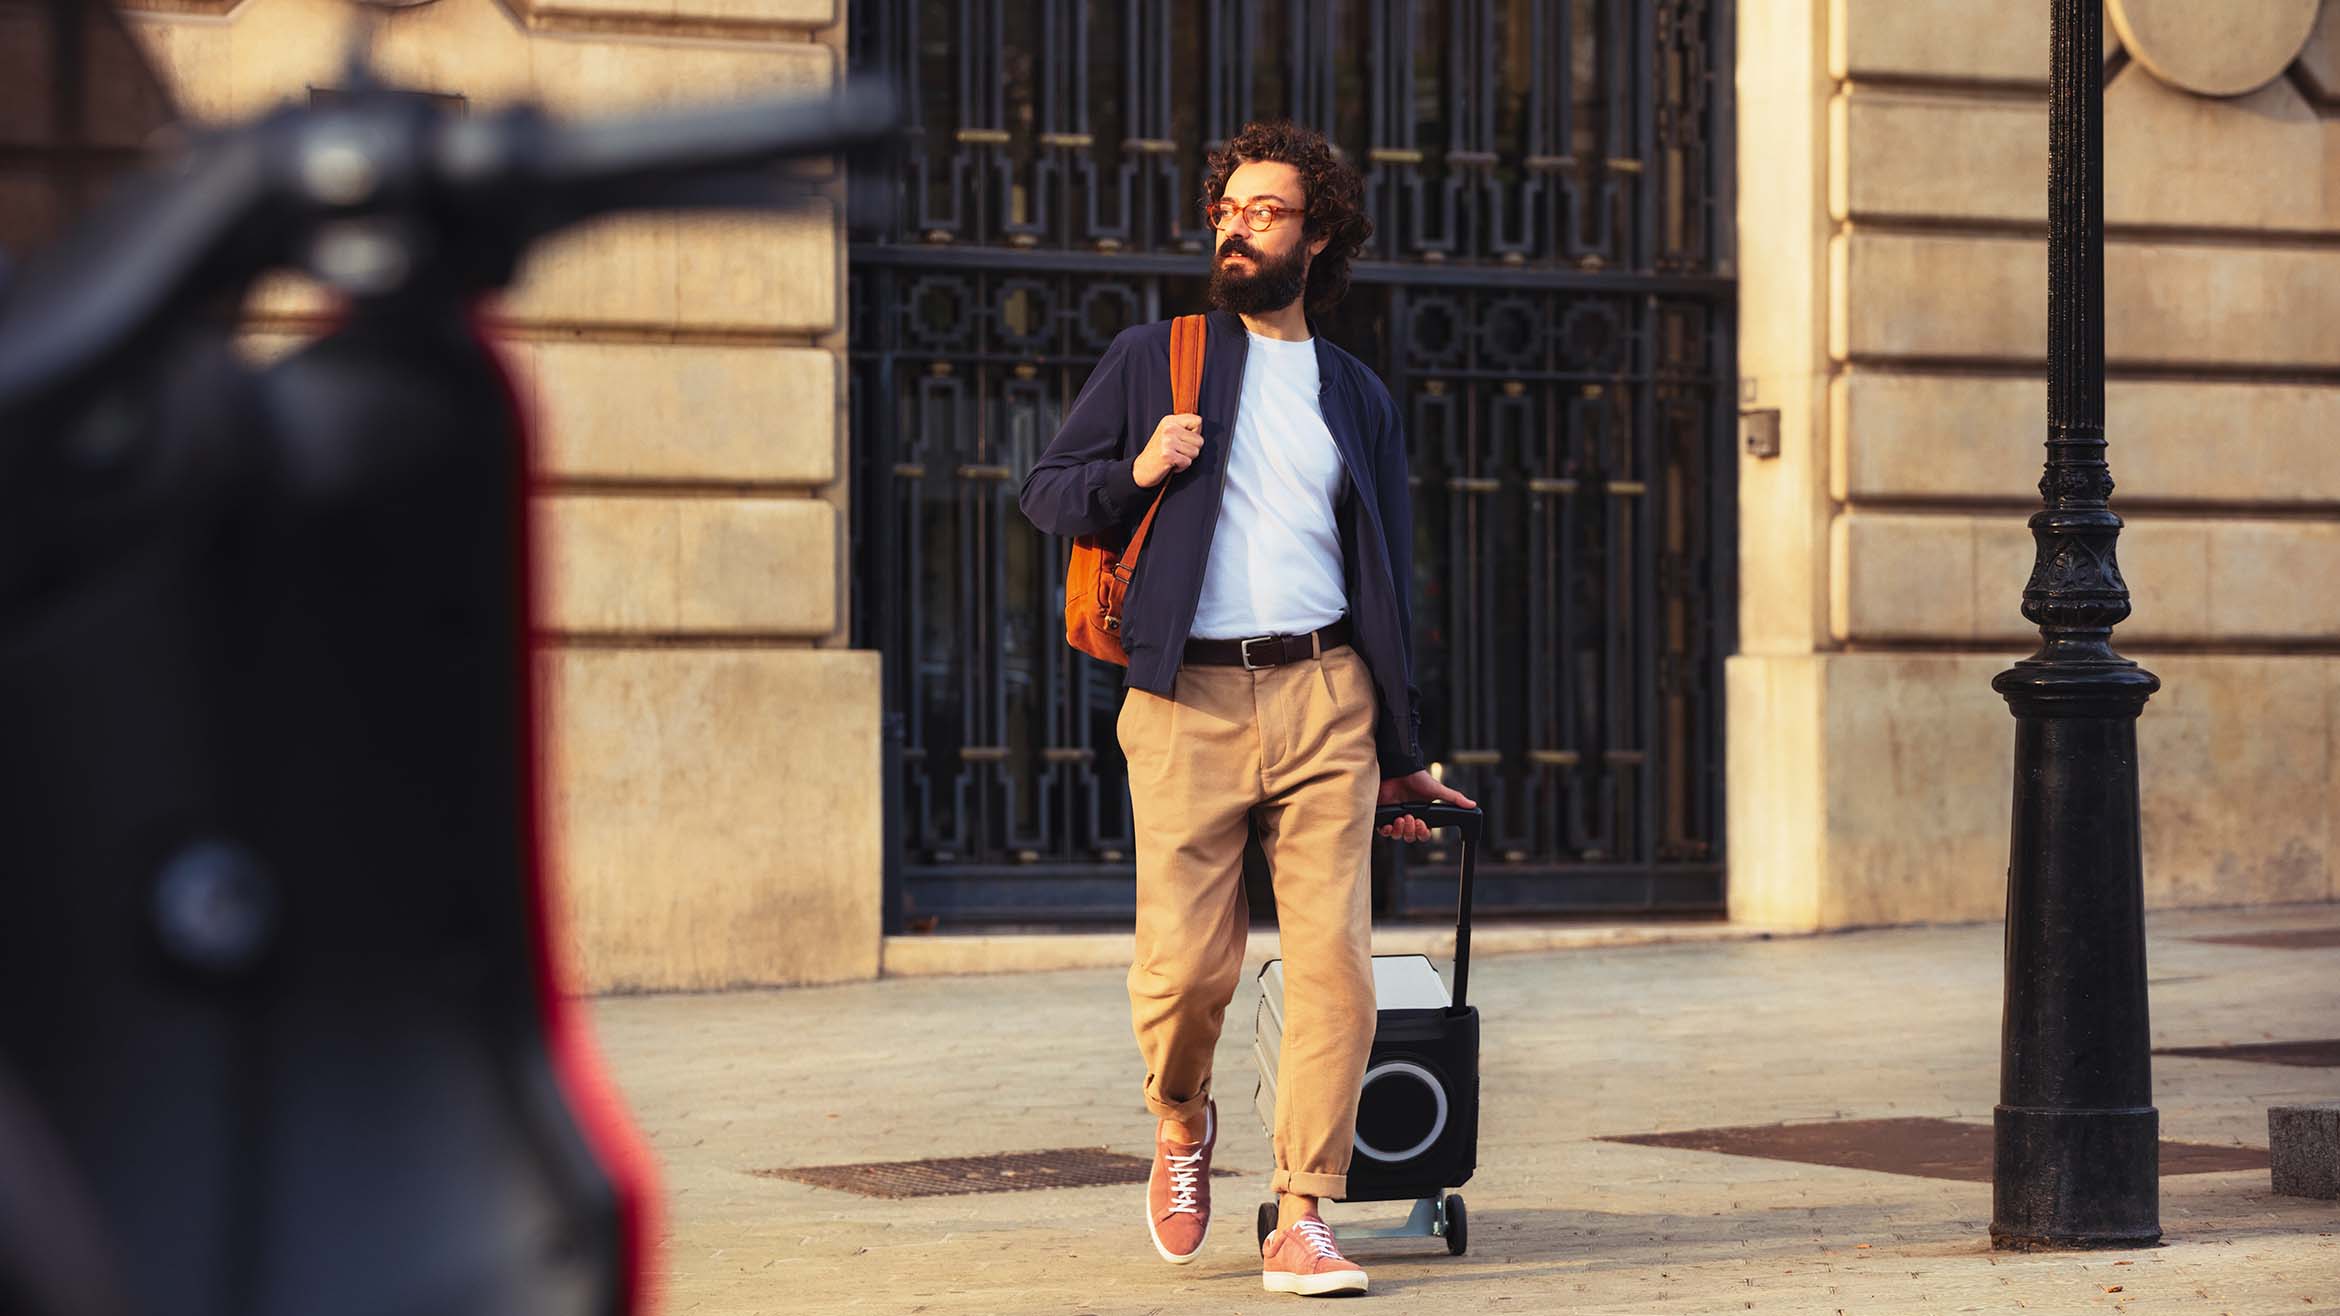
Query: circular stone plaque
[(2216, 49)]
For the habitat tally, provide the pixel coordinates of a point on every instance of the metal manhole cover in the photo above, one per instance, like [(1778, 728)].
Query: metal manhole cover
[(1010, 1172), (1929, 1148), (2323, 1053), (2289, 939)]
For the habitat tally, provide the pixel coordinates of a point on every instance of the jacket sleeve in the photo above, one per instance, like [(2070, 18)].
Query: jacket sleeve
[(1083, 484), (1401, 728)]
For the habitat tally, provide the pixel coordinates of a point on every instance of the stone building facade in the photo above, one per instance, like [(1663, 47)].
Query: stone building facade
[(1893, 188), (715, 740)]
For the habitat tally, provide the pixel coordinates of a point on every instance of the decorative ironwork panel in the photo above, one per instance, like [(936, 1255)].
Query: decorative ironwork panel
[(1568, 584), (1547, 296)]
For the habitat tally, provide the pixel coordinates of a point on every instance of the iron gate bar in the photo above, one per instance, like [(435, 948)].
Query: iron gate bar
[(1548, 296), (1075, 893), (1188, 265)]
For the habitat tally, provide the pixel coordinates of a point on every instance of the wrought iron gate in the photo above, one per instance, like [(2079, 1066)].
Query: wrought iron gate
[(1548, 295)]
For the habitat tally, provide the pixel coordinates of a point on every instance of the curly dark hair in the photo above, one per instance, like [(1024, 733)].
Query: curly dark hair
[(1334, 201)]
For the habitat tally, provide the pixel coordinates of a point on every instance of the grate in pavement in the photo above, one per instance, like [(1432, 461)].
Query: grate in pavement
[(2322, 1053), (1010, 1172), (1930, 1148), (2289, 939)]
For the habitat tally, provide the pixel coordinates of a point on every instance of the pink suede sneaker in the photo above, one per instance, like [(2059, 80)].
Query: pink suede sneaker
[(1178, 1193), (1305, 1260)]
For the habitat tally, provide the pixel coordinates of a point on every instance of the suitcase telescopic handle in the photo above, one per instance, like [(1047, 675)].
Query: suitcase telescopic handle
[(1472, 824)]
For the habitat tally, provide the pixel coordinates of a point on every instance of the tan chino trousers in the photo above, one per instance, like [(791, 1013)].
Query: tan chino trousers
[(1292, 748)]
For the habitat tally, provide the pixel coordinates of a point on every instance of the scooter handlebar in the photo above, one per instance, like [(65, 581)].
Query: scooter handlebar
[(256, 196)]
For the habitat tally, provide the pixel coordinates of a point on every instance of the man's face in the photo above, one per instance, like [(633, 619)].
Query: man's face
[(1260, 273)]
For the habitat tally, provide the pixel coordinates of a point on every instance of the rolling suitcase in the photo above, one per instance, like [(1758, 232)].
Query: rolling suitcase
[(1418, 1107)]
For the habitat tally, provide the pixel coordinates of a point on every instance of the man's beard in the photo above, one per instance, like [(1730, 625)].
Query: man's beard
[(1268, 286)]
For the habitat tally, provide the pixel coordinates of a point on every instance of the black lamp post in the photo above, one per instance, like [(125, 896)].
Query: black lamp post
[(2077, 1154)]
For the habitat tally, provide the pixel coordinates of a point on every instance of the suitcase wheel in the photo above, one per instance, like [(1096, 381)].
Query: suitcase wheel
[(1267, 1221), (1457, 1231)]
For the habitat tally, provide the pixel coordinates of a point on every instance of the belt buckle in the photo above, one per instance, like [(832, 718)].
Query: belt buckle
[(1244, 648)]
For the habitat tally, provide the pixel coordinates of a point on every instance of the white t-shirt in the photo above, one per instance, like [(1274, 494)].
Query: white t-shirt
[(1275, 565)]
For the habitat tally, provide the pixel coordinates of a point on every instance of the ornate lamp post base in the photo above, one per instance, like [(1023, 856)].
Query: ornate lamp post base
[(2077, 1154), (2077, 1157)]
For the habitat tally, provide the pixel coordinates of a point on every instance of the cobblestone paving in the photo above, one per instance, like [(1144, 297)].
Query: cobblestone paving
[(1578, 1044)]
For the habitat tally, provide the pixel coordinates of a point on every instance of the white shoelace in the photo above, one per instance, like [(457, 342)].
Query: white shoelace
[(1186, 1171), (1185, 1174), (1320, 1238)]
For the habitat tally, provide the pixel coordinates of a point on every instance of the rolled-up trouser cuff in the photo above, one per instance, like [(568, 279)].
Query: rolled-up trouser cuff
[(1189, 1111), (1310, 1184)]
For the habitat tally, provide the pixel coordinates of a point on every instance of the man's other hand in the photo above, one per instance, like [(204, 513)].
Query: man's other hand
[(1408, 790)]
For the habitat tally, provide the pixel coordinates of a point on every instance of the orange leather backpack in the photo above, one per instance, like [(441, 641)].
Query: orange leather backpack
[(1096, 577)]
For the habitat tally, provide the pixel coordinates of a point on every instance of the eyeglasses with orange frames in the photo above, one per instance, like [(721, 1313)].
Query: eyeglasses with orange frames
[(1261, 215)]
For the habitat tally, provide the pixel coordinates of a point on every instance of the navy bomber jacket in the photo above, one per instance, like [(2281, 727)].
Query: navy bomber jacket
[(1083, 485)]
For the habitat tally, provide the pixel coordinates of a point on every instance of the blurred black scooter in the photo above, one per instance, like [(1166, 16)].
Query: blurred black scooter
[(280, 1025)]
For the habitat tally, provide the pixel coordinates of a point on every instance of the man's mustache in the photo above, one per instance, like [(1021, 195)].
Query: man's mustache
[(1238, 249)]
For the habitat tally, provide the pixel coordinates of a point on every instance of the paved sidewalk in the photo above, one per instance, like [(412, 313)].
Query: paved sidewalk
[(1578, 1045)]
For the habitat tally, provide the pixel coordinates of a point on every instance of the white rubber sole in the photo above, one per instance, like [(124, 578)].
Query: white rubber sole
[(1210, 1139), (1313, 1286), (1170, 1256)]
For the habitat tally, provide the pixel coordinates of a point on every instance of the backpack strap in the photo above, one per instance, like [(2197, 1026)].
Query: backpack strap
[(1187, 335)]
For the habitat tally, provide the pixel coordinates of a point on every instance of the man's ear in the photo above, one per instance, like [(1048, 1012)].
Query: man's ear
[(1316, 248)]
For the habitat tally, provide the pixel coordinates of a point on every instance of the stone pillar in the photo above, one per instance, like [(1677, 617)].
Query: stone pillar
[(1773, 687)]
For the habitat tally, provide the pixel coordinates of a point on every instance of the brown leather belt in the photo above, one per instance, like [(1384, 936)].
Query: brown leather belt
[(1266, 650)]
